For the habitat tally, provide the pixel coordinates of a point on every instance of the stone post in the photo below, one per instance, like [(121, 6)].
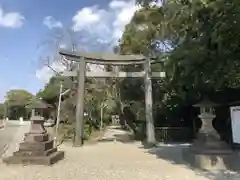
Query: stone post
[(148, 103), (33, 113), (21, 120), (80, 101)]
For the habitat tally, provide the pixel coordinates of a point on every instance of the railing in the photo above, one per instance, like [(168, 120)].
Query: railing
[(166, 134), (174, 134)]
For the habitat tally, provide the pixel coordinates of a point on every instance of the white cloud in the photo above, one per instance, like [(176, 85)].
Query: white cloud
[(157, 3), (106, 25), (11, 19), (51, 22), (85, 17), (63, 46), (101, 28), (45, 73)]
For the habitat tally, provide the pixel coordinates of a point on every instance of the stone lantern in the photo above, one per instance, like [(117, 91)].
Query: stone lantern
[(37, 147), (208, 151), (207, 134)]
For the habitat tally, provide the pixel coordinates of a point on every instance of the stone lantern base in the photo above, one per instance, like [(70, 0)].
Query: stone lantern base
[(208, 152), (37, 147), (207, 156)]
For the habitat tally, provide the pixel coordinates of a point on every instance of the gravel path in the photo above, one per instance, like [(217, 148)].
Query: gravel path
[(105, 161), (6, 135), (111, 160), (17, 138)]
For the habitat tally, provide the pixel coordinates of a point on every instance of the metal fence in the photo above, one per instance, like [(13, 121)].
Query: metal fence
[(167, 134), (174, 134)]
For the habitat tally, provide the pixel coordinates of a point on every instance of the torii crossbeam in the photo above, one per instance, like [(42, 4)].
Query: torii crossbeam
[(111, 59)]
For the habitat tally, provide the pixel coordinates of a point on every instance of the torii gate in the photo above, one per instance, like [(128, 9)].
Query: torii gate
[(116, 60)]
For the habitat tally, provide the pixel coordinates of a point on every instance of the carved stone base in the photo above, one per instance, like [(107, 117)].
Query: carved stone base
[(210, 147), (217, 161), (210, 156), (37, 160)]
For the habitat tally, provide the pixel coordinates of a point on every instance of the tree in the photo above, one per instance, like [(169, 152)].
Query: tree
[(198, 42), (203, 47), (2, 110), (16, 100), (18, 97)]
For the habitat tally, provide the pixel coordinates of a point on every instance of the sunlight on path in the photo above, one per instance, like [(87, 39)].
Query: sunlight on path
[(106, 161)]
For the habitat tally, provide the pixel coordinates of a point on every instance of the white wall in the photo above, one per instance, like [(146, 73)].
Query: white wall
[(235, 120)]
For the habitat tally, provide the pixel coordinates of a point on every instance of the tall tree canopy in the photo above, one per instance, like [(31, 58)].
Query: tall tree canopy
[(198, 42), (2, 110), (18, 97), (201, 36), (16, 100)]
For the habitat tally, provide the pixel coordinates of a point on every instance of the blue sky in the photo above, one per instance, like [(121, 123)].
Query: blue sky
[(25, 24)]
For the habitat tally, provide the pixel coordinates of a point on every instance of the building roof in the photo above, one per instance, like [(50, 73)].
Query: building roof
[(38, 104)]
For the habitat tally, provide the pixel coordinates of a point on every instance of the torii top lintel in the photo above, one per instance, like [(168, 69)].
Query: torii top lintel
[(104, 58)]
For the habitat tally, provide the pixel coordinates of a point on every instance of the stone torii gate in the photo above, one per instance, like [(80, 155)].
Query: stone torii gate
[(116, 60)]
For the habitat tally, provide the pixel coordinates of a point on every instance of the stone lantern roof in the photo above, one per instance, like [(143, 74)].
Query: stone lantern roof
[(38, 104), (206, 103)]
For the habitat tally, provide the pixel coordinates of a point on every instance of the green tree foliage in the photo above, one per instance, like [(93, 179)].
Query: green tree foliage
[(51, 90), (18, 97), (96, 93), (199, 43), (2, 111), (204, 35), (16, 100)]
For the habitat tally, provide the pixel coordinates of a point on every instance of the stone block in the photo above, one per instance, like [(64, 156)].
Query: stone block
[(36, 146), (37, 160), (36, 137), (210, 159), (35, 153)]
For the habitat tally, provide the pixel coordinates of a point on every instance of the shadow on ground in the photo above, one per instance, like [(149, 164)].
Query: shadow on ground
[(177, 154)]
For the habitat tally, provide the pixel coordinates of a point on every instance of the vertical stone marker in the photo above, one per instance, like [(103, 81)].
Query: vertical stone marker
[(37, 148)]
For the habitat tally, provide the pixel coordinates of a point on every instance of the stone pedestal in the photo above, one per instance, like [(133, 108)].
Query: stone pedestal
[(208, 151), (208, 139), (37, 148)]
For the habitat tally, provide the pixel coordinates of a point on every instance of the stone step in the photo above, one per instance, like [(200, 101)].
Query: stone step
[(35, 153), (38, 138), (36, 146), (36, 160)]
